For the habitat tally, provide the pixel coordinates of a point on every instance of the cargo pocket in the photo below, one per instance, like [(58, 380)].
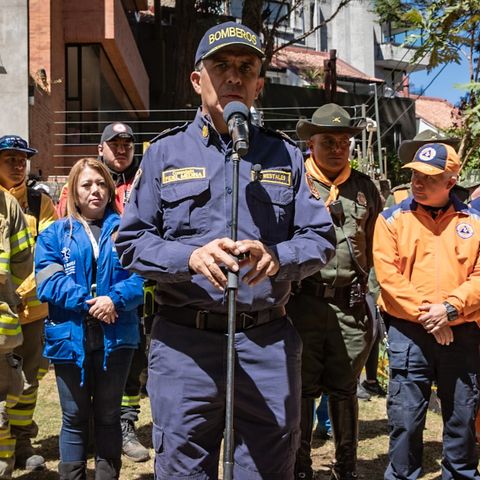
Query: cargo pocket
[(12, 365), (58, 342), (398, 356), (158, 440), (395, 407), (185, 211)]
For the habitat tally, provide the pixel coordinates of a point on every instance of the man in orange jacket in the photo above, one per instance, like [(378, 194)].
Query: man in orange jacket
[(426, 255)]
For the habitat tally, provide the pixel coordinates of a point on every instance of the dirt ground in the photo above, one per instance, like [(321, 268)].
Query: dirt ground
[(372, 452)]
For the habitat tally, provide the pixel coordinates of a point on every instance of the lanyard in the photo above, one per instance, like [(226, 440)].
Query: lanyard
[(92, 240)]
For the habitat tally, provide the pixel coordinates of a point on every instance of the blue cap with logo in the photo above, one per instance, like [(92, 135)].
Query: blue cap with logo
[(435, 158), (226, 34), (14, 142)]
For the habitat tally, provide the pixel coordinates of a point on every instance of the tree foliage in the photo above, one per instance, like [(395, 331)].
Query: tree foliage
[(448, 32)]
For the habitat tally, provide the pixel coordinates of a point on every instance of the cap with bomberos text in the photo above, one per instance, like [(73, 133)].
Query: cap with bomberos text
[(226, 34), (435, 158)]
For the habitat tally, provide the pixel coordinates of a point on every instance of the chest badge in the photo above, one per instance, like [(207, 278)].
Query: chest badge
[(361, 199)]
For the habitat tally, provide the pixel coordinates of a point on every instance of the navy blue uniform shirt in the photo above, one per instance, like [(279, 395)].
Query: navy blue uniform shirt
[(183, 199)]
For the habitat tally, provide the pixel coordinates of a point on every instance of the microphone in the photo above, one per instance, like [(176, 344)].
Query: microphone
[(236, 116)]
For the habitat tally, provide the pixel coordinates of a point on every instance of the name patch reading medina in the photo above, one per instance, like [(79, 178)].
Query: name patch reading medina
[(183, 174), (274, 176), (232, 32)]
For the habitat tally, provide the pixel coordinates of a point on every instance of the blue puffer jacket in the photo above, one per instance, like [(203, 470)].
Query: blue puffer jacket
[(63, 270)]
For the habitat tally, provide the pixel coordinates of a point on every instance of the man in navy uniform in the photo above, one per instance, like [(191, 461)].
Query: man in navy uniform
[(175, 230)]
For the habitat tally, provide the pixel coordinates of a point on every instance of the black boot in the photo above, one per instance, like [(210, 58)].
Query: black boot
[(344, 419), (72, 470), (303, 463), (107, 469)]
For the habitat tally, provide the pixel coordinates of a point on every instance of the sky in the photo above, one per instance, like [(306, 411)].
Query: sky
[(443, 85)]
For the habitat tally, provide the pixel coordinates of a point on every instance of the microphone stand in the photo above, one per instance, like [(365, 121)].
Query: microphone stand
[(232, 289)]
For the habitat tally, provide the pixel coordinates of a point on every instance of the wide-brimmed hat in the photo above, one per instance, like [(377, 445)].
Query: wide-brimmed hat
[(329, 118), (408, 148), (14, 142), (435, 158)]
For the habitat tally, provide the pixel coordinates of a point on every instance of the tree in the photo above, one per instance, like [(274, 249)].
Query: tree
[(256, 14), (449, 31)]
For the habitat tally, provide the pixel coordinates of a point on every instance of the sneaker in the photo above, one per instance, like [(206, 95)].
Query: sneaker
[(374, 388), (26, 458), (131, 446), (362, 394)]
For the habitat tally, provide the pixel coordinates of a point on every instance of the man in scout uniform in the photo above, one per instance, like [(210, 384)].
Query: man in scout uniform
[(329, 308), (39, 213), (16, 264)]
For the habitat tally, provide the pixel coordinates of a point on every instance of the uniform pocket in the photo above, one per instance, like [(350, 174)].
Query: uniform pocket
[(58, 342), (355, 225), (184, 207), (271, 207), (398, 356), (158, 440)]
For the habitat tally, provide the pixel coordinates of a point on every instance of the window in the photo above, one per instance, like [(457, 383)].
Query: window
[(92, 87)]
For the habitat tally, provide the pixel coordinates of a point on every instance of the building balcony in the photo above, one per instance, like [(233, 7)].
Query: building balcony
[(398, 57)]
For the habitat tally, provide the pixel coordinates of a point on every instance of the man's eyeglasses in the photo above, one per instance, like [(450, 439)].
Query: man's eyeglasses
[(331, 143), (114, 146)]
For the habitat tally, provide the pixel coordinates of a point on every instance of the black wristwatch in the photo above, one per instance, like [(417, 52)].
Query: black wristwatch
[(452, 312)]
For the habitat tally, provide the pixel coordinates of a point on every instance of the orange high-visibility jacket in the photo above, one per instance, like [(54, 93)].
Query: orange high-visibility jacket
[(421, 260)]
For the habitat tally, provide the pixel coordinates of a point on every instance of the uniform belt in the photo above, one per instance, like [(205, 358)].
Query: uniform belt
[(324, 291), (218, 322)]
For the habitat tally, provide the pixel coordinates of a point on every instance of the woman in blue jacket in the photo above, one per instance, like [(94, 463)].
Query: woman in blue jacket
[(92, 328)]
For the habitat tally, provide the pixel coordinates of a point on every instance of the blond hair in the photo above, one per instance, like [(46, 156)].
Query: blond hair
[(75, 172)]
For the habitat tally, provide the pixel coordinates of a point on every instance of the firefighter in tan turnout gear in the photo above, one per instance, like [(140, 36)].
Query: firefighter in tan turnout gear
[(39, 213), (16, 263)]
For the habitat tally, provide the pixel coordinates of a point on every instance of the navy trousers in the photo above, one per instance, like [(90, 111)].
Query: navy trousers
[(416, 362), (186, 387)]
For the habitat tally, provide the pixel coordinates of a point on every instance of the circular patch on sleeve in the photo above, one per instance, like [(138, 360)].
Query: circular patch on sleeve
[(464, 230)]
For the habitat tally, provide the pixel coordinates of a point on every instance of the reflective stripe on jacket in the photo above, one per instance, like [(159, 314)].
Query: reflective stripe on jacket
[(16, 262), (33, 309)]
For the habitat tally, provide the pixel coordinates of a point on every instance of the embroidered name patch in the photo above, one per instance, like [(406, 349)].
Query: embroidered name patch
[(274, 176), (464, 230), (183, 174)]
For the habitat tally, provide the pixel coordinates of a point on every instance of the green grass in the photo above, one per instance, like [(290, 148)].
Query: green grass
[(372, 450)]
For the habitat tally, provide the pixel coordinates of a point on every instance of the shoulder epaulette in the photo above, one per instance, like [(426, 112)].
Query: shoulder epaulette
[(170, 131), (278, 134)]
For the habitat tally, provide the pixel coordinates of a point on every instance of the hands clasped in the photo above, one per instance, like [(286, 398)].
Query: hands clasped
[(435, 321), (207, 261), (102, 308)]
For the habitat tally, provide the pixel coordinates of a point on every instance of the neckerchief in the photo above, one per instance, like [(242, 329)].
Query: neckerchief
[(317, 174)]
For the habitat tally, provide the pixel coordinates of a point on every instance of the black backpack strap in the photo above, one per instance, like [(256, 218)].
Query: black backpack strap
[(34, 199)]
